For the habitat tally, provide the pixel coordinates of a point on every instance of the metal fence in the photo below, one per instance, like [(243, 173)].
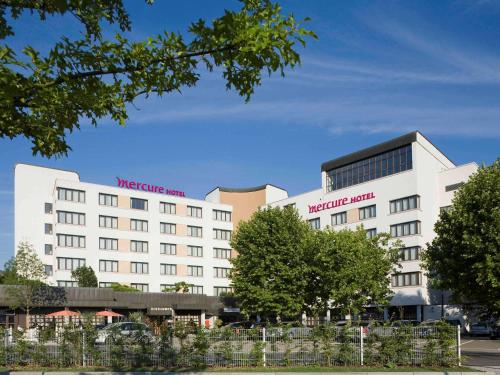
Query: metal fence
[(322, 346)]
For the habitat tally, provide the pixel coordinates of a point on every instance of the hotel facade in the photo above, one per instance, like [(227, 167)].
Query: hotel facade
[(150, 237)]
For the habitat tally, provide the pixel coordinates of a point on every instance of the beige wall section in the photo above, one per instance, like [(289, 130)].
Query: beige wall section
[(123, 201), (123, 223), (181, 229), (123, 266), (182, 270), (352, 215), (182, 250), (244, 203), (180, 209), (123, 245)]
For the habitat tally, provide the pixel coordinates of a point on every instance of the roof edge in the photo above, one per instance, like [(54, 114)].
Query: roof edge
[(243, 190)]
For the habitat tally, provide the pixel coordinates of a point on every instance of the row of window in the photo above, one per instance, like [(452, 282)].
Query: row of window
[(406, 279), (193, 289), (371, 168), (165, 268), (135, 203)]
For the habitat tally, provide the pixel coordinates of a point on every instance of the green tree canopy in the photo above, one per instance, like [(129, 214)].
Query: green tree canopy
[(464, 257), (85, 277), (43, 96), (29, 280), (349, 270), (269, 273), (117, 287), (284, 267)]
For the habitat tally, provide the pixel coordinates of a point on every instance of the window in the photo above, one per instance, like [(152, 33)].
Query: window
[(221, 215), (196, 289), (405, 229), (453, 186), (67, 284), (72, 195), (222, 234), (370, 233), (168, 228), (48, 269), (108, 243), (290, 205), (339, 218), (195, 251), (220, 290), (108, 266), (105, 284), (409, 253), (222, 253), (374, 167), (138, 225), (167, 208), (168, 248), (404, 204), (108, 200), (74, 218), (69, 264), (139, 204), (48, 249), (108, 222), (48, 228), (194, 211), (406, 279), (315, 223), (367, 212), (141, 287), (221, 273), (193, 231), (69, 240), (196, 271), (139, 267), (168, 269), (139, 246), (48, 208)]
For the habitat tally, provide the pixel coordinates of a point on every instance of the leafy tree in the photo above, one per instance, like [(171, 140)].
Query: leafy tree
[(268, 275), (24, 292), (9, 275), (349, 270), (464, 257), (179, 287), (85, 277), (123, 288), (45, 95)]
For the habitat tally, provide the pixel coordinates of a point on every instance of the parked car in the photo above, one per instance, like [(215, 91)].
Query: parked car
[(124, 329), (457, 322), (495, 330), (479, 329)]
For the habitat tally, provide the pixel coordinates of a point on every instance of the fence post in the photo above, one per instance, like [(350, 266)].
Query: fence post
[(84, 349), (264, 346), (361, 346), (458, 347)]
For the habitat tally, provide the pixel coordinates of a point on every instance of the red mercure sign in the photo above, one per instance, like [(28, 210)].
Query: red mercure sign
[(137, 185), (339, 202)]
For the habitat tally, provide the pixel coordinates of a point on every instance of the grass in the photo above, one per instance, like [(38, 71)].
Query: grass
[(238, 369)]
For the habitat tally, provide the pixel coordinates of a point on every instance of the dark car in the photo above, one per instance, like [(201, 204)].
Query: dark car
[(495, 331)]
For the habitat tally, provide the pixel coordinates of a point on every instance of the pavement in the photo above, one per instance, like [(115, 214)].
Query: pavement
[(481, 353)]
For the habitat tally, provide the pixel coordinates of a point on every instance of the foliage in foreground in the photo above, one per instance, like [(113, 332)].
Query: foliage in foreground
[(188, 347), (465, 255), (46, 95), (284, 267)]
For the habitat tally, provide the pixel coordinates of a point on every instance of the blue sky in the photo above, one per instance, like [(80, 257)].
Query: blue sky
[(379, 69)]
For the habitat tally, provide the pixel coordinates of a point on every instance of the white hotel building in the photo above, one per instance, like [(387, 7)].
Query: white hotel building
[(152, 239)]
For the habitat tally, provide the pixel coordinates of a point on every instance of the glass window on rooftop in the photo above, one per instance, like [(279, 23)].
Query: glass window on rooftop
[(374, 167)]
